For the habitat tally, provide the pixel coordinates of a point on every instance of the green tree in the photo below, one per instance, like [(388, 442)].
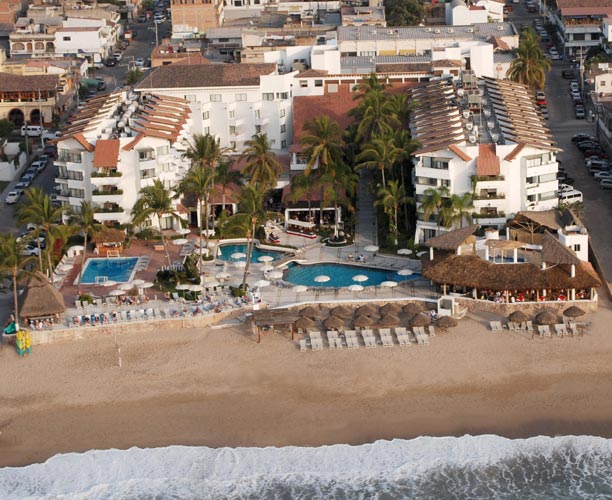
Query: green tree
[(38, 209), (378, 117), (13, 264), (368, 85), (262, 169), (404, 12), (458, 210), (391, 197), (6, 130), (530, 65), (133, 76), (380, 153), (155, 200), (341, 185), (198, 182), (303, 185), (433, 203), (84, 220), (225, 176)]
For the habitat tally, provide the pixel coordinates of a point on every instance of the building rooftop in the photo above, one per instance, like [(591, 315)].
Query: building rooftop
[(30, 83), (482, 31)]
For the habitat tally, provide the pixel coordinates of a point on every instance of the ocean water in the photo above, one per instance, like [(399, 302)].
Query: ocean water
[(468, 467)]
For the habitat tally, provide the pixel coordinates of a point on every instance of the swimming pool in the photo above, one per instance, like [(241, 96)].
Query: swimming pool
[(341, 275), (119, 269), (506, 260), (225, 252)]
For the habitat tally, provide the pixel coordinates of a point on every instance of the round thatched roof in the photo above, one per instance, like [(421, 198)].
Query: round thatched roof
[(40, 298), (366, 310), (546, 318), (390, 308), (304, 322), (446, 322), (342, 312), (333, 322), (362, 321), (412, 308), (420, 320), (389, 320), (312, 312), (573, 312), (518, 317)]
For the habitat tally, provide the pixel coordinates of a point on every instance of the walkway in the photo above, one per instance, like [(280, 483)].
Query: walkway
[(365, 223)]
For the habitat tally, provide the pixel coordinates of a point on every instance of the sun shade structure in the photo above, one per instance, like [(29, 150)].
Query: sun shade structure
[(446, 322), (312, 312), (546, 318), (573, 312), (452, 240), (366, 310), (341, 312), (518, 317), (420, 320), (304, 323), (390, 308), (362, 321), (333, 322), (40, 299), (413, 308), (270, 318), (389, 320)]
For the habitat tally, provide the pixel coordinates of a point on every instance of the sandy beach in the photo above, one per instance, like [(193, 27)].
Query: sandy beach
[(218, 387)]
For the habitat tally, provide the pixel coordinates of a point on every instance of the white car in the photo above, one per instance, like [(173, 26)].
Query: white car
[(30, 249), (12, 197), (118, 56), (139, 62), (602, 175), (606, 184), (563, 188)]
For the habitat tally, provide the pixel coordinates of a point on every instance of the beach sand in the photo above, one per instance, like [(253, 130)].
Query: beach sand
[(218, 387)]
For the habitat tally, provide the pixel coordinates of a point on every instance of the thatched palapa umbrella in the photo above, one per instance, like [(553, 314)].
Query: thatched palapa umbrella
[(546, 318), (40, 298), (312, 312), (446, 322), (573, 312), (304, 323), (333, 322), (366, 310), (412, 308), (341, 312), (389, 320), (390, 308), (420, 320), (362, 321), (518, 317)]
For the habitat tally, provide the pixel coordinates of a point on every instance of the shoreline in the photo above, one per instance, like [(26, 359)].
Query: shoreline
[(217, 387)]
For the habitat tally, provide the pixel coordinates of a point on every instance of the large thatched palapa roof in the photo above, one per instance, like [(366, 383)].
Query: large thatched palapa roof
[(40, 298), (109, 235), (453, 239), (555, 252), (474, 272)]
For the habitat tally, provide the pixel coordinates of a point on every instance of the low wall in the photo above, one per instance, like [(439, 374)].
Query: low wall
[(527, 307)]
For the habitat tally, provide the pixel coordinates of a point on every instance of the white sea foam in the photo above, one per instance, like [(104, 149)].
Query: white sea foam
[(398, 465)]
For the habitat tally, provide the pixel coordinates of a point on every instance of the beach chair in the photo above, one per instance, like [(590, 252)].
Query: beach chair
[(559, 330), (400, 330), (384, 331), (319, 344), (432, 331), (338, 341), (371, 342), (544, 330), (573, 329), (303, 345), (529, 325), (388, 340), (510, 325), (331, 339)]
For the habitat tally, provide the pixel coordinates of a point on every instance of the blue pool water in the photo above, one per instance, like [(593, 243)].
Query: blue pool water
[(225, 252), (341, 275), (506, 260), (119, 269)]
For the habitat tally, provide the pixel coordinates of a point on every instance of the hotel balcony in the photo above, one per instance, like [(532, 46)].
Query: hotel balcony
[(108, 208), (105, 175)]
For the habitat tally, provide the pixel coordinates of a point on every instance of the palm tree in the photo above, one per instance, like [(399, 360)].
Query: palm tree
[(225, 176), (459, 208), (433, 202), (198, 182), (340, 185), (37, 209), (378, 118), (13, 263), (530, 65), (368, 85), (322, 145), (154, 200), (378, 154), (391, 197), (303, 185), (85, 220), (262, 168), (405, 146)]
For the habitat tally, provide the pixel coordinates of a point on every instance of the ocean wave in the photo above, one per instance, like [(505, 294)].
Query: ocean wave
[(468, 467)]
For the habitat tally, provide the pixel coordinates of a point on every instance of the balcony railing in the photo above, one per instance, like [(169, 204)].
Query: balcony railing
[(498, 215), (108, 209), (110, 173), (489, 178), (108, 192), (489, 196)]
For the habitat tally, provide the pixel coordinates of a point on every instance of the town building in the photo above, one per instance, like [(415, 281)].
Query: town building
[(118, 144), (195, 17), (487, 139), (462, 12), (28, 98), (10, 9)]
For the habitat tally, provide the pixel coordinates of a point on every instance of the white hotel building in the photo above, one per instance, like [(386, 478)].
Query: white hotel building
[(487, 138), (118, 144)]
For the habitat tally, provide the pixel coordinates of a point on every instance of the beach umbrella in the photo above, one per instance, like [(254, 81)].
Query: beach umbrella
[(261, 283), (312, 312), (366, 310), (390, 308), (389, 320), (126, 286), (573, 312), (518, 317), (304, 322), (275, 275), (146, 284), (405, 272), (195, 288), (546, 318), (389, 284), (361, 321), (355, 288), (184, 286), (265, 258), (342, 312), (240, 264), (413, 308), (180, 241), (299, 289), (116, 293), (404, 251), (420, 320), (360, 278), (222, 276), (333, 322), (420, 254), (184, 230), (446, 322), (322, 279), (371, 248), (108, 283), (137, 282), (267, 267), (238, 255), (211, 283)]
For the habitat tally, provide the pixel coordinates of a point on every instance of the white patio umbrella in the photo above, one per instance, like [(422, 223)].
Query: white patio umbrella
[(265, 258), (355, 288), (404, 251), (276, 275), (180, 241), (108, 283), (322, 279), (184, 230), (126, 286), (420, 254), (146, 284), (116, 293), (238, 255), (405, 272), (223, 276), (137, 282), (389, 284), (183, 286), (240, 263), (261, 283), (195, 288), (371, 248), (360, 278), (299, 289)]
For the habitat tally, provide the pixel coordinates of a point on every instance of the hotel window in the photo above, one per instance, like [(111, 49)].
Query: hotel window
[(303, 83), (283, 128), (268, 96), (190, 98), (318, 83), (576, 247), (215, 97), (231, 113), (163, 150), (282, 95), (283, 113), (166, 222), (66, 39), (257, 114), (206, 130), (232, 144), (438, 163), (241, 97), (166, 167), (77, 193), (75, 175), (206, 115), (145, 154), (232, 130), (551, 195), (258, 129), (283, 144)]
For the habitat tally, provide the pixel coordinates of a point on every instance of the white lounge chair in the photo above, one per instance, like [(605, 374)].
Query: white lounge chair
[(432, 331), (544, 330), (303, 345), (529, 326), (384, 331), (331, 339)]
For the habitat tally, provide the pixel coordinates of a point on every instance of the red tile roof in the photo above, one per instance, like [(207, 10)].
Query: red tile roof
[(487, 162), (107, 153), (460, 153), (514, 153)]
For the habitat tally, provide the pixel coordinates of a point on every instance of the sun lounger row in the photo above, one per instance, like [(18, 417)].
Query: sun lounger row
[(349, 338), (525, 326)]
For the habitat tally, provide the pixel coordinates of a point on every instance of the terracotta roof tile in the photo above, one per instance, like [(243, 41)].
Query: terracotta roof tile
[(107, 153), (29, 83), (514, 153), (460, 153), (487, 162)]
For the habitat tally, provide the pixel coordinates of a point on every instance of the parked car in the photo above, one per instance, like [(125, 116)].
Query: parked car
[(581, 136), (27, 180), (595, 152), (118, 56), (565, 187), (45, 159), (12, 197), (576, 96), (139, 62), (606, 174), (568, 74), (562, 177), (38, 165), (30, 249), (574, 87), (111, 61), (588, 144), (50, 150), (599, 162), (142, 18), (580, 113), (605, 184)]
